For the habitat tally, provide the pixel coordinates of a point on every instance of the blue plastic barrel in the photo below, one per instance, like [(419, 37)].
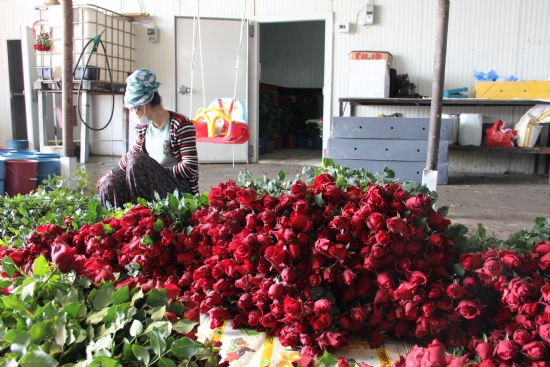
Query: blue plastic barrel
[(18, 144), (47, 167)]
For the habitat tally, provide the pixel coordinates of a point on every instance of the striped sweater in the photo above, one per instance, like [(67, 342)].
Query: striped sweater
[(183, 145)]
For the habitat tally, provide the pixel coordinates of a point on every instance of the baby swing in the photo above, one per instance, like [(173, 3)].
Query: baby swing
[(224, 120)]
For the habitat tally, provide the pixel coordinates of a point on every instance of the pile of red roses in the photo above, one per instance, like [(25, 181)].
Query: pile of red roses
[(139, 245), (321, 263)]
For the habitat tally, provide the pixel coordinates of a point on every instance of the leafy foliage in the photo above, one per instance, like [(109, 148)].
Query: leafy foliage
[(50, 203), (52, 319)]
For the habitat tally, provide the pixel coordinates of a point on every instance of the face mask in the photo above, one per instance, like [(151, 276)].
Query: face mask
[(139, 120)]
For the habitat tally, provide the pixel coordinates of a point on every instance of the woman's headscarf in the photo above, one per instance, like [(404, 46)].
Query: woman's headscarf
[(141, 86)]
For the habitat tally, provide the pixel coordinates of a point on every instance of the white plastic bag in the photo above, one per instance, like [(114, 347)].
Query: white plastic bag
[(530, 125)]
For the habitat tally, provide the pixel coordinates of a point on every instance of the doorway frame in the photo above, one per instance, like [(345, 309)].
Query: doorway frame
[(254, 72)]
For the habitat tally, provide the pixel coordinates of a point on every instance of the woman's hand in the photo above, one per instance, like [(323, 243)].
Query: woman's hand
[(102, 179)]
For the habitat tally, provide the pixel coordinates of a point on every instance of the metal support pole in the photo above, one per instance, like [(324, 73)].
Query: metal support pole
[(67, 78), (440, 50)]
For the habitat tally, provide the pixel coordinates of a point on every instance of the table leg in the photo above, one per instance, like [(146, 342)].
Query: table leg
[(84, 149)]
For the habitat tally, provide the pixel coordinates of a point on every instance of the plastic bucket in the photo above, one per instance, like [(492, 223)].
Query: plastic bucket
[(470, 129), (20, 176), (18, 144), (47, 167)]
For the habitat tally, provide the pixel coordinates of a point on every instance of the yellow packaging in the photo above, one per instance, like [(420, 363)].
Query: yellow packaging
[(536, 89)]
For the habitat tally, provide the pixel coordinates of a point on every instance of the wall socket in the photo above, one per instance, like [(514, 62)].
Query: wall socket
[(342, 27), (369, 17)]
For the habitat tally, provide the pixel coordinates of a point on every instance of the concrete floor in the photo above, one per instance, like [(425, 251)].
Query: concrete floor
[(502, 203)]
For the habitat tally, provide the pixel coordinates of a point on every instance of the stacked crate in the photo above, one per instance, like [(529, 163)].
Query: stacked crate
[(397, 143)]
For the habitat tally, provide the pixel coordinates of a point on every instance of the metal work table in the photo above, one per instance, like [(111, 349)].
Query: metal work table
[(89, 89)]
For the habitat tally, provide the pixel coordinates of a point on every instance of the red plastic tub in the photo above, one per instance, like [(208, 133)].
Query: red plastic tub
[(20, 176)]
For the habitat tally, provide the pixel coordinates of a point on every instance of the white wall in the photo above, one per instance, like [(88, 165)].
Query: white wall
[(292, 54), (511, 36)]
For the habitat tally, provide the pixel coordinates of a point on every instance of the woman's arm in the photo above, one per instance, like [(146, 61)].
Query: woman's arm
[(137, 147)]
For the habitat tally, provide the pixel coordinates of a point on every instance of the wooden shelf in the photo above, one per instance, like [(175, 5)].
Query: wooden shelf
[(535, 150)]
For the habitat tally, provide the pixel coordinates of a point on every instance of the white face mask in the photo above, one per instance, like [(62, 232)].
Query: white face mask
[(139, 120)]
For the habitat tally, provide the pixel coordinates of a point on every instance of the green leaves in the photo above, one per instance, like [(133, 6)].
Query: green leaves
[(326, 360), (37, 358), (101, 297), (185, 348), (157, 298), (141, 354), (18, 341), (40, 266), (184, 326), (8, 266)]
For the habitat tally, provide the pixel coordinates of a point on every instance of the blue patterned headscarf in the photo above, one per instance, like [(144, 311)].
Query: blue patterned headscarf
[(141, 86)]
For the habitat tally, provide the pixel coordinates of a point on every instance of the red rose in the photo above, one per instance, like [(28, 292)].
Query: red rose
[(437, 240), (384, 281), (331, 339), (417, 203), (492, 267), (349, 276), (382, 237), (359, 314), (63, 256), (437, 221), (300, 222), (299, 190), (522, 336), (276, 290), (468, 309), (470, 261), (246, 196), (510, 258), (484, 351), (343, 363), (104, 274), (545, 290), (276, 255), (321, 321), (395, 224), (375, 197), (535, 351), (541, 248), (322, 306), (436, 354), (506, 350), (293, 307), (376, 221), (418, 278), (338, 251), (544, 262), (322, 180), (455, 291), (544, 332)]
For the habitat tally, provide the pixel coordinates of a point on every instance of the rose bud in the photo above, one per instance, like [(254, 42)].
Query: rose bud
[(418, 278), (506, 350), (484, 351), (217, 316), (395, 224), (468, 309), (321, 321), (470, 261), (299, 190), (376, 221), (63, 256), (535, 350), (522, 336), (436, 353), (342, 362), (322, 306), (245, 301), (544, 332), (384, 281), (545, 290), (492, 267), (276, 290), (349, 276), (455, 291), (359, 314)]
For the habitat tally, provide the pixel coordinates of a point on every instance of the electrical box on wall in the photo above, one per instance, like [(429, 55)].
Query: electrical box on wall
[(153, 34), (369, 17), (342, 27)]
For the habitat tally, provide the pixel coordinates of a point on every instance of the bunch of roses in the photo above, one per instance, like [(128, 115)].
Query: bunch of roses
[(320, 263), (138, 244)]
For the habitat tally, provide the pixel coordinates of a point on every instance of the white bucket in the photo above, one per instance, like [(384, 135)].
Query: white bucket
[(470, 129)]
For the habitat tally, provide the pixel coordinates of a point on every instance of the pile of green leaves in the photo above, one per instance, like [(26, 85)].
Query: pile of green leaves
[(50, 203), (55, 319)]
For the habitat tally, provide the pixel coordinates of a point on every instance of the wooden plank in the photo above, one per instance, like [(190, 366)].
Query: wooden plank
[(383, 149), (387, 128), (404, 171)]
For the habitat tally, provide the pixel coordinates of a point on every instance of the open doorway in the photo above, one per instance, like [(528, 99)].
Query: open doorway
[(292, 75), (17, 90)]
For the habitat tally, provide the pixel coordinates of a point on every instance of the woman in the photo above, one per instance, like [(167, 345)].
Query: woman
[(164, 156)]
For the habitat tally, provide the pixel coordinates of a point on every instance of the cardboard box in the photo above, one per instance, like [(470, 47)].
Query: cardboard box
[(536, 89), (372, 55), (368, 79)]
